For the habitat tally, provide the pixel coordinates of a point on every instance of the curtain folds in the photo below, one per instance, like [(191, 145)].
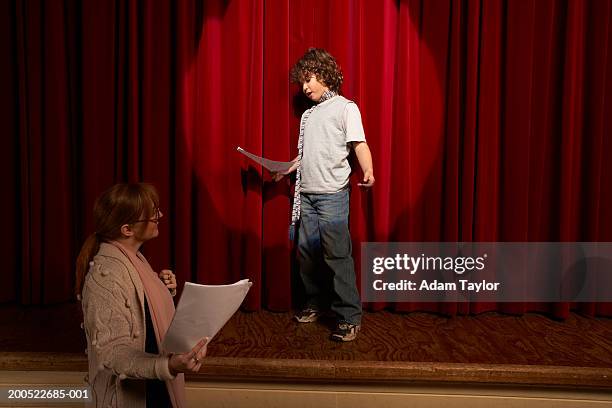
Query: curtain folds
[(487, 121)]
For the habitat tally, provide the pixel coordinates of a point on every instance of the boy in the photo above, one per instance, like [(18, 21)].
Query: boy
[(328, 131)]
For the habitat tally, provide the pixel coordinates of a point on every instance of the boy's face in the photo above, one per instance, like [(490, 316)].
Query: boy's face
[(313, 89)]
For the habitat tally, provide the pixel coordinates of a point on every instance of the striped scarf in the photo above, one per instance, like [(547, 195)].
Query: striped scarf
[(297, 202)]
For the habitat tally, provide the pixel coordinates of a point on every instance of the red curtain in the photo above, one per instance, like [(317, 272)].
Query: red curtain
[(487, 121)]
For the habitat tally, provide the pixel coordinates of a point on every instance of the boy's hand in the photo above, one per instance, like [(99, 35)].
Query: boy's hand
[(277, 176), (368, 179)]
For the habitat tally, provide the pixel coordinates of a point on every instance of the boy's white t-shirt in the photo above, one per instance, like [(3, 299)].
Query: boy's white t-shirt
[(331, 126)]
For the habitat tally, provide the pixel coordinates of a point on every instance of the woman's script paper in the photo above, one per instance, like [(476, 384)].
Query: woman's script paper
[(202, 311)]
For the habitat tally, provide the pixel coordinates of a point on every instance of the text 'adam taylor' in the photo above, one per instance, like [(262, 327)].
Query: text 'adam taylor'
[(434, 285)]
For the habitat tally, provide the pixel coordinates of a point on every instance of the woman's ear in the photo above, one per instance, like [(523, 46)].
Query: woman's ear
[(126, 230)]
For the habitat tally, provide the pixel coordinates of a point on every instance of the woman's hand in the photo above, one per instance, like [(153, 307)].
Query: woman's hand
[(169, 280), (188, 362)]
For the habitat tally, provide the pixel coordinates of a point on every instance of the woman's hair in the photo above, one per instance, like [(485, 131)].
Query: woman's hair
[(318, 62), (119, 205)]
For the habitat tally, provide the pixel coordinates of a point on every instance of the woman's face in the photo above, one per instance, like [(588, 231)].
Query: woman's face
[(149, 227)]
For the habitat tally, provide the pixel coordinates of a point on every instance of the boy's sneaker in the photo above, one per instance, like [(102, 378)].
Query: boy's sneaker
[(345, 332), (308, 315)]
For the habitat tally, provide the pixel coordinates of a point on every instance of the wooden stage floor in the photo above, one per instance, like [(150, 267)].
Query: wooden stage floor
[(486, 348)]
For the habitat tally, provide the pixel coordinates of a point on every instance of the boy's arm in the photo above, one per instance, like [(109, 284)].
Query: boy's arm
[(364, 157)]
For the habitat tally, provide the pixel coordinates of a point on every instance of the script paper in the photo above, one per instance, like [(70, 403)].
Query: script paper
[(273, 166), (202, 311)]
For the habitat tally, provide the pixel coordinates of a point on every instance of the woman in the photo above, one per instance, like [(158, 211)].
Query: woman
[(127, 307)]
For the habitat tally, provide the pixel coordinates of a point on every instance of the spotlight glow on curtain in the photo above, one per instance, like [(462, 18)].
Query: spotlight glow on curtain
[(487, 121)]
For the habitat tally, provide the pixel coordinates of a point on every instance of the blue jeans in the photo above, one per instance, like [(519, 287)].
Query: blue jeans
[(324, 239)]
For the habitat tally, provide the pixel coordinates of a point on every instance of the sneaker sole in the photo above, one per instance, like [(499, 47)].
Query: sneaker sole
[(340, 339), (306, 320)]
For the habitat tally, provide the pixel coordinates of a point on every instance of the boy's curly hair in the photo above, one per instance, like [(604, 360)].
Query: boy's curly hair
[(318, 62)]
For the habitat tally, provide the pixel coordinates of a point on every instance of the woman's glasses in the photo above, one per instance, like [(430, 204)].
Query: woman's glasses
[(155, 218)]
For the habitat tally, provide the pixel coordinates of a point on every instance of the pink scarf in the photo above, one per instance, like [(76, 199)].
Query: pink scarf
[(161, 307)]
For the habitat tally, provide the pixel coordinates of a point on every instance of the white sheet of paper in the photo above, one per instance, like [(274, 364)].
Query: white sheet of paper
[(274, 166), (201, 312)]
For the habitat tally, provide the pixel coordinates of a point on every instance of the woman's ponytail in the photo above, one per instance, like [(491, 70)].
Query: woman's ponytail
[(88, 251)]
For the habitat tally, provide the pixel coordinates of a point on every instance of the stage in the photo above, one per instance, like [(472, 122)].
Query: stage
[(263, 359)]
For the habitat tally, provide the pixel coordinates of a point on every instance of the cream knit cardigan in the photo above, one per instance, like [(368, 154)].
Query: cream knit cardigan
[(114, 323)]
